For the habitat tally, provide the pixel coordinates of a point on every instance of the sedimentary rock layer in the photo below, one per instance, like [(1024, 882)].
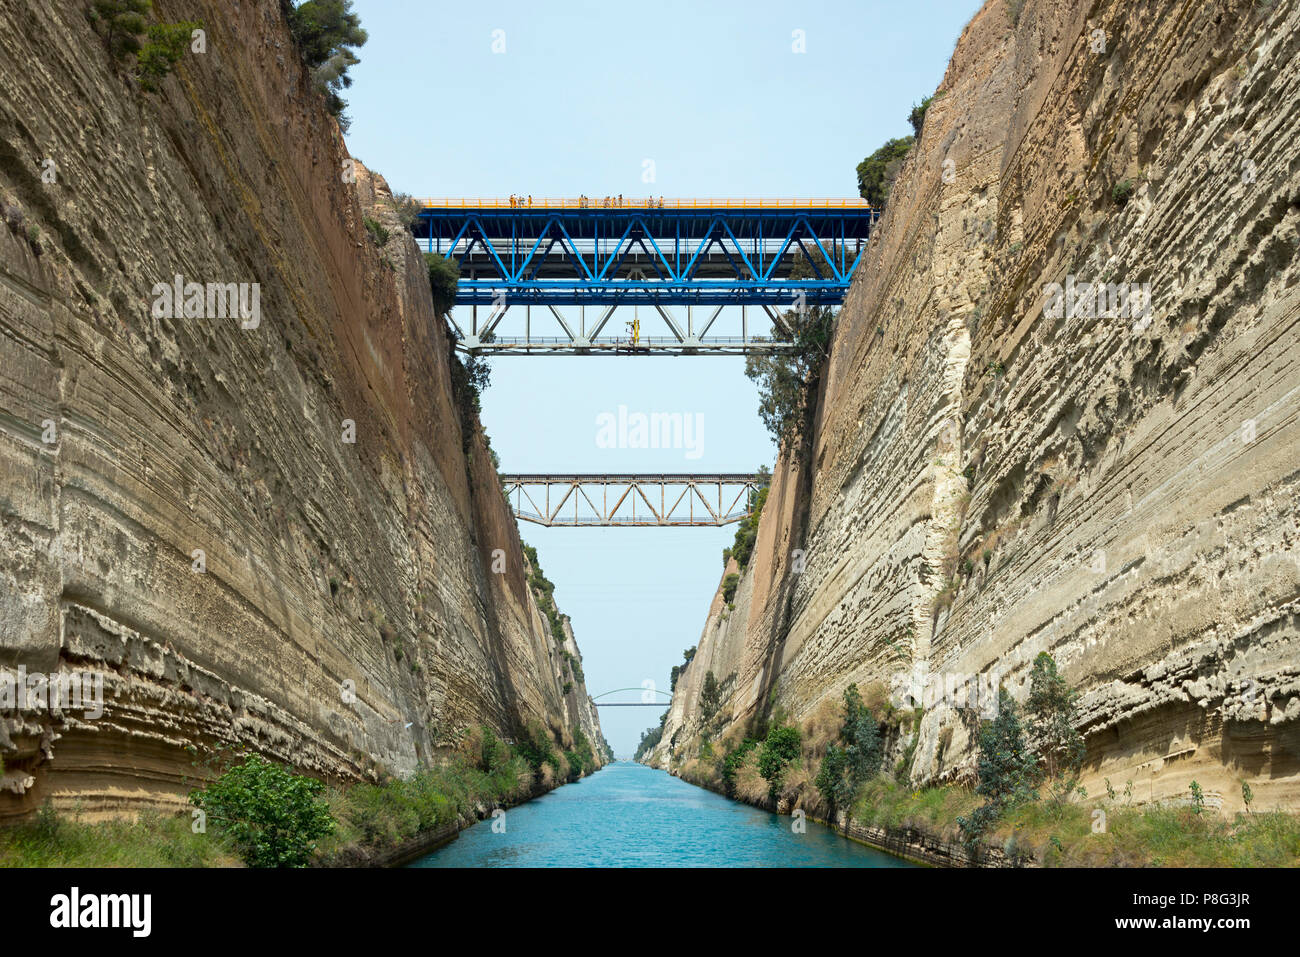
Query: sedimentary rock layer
[(272, 531), (995, 474)]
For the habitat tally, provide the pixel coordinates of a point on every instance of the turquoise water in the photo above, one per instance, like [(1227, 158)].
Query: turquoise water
[(628, 815)]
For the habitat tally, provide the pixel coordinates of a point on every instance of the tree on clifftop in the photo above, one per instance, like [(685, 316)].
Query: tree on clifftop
[(327, 32), (876, 173)]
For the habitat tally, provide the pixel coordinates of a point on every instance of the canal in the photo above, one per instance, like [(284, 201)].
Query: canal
[(629, 815)]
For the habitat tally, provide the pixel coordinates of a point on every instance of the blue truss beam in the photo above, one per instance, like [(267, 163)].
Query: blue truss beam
[(694, 254)]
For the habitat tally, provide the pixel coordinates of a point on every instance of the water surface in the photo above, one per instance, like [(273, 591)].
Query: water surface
[(629, 815)]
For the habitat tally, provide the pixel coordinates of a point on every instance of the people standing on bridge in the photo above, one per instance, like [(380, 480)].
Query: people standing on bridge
[(530, 200), (620, 200), (512, 200)]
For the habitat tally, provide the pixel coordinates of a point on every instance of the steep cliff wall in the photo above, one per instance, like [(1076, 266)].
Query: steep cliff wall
[(991, 478), (345, 613)]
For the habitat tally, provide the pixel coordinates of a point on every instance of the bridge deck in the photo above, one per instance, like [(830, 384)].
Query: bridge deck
[(645, 202)]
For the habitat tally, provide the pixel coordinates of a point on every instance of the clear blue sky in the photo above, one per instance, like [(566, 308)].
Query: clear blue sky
[(584, 93)]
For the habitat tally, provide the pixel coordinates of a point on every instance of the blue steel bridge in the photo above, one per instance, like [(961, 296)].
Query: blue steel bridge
[(677, 262)]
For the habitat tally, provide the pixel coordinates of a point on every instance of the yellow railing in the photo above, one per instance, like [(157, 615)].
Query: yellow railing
[(645, 202)]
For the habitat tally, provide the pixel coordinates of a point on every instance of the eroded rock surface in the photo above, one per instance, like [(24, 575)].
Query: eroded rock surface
[(343, 614), (990, 480)]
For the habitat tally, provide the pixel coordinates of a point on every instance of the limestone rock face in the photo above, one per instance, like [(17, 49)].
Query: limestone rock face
[(997, 471), (269, 530)]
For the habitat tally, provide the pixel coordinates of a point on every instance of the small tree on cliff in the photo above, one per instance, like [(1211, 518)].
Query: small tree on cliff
[(787, 383), (1051, 711), (846, 768), (166, 47), (710, 697), (327, 33), (861, 736), (444, 280), (469, 375), (779, 750), (1007, 770), (121, 24)]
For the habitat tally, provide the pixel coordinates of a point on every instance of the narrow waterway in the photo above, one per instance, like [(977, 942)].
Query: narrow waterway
[(629, 815)]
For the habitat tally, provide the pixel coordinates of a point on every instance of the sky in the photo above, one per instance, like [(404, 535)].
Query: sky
[(562, 98)]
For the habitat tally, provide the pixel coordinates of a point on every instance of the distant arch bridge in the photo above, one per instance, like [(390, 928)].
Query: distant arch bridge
[(632, 704)]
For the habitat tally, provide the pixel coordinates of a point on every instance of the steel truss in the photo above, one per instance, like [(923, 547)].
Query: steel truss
[(687, 336), (729, 499), (687, 253)]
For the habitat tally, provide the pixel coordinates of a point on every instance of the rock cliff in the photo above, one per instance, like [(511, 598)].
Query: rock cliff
[(1000, 468), (271, 529)]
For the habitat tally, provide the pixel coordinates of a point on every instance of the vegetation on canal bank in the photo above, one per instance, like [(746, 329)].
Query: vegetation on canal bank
[(256, 813), (1027, 801)]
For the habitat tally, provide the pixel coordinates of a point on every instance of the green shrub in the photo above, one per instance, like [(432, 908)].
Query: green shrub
[(679, 670), (408, 210), (742, 549), (861, 735), (581, 759), (780, 748), (377, 231), (493, 753), (787, 382), (845, 769), (164, 49), (1007, 770), (710, 696), (917, 116), (650, 739), (877, 172), (832, 778), (729, 587), (536, 747), (444, 278), (544, 594), (1122, 191), (1050, 710), (731, 764), (272, 815), (121, 22)]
